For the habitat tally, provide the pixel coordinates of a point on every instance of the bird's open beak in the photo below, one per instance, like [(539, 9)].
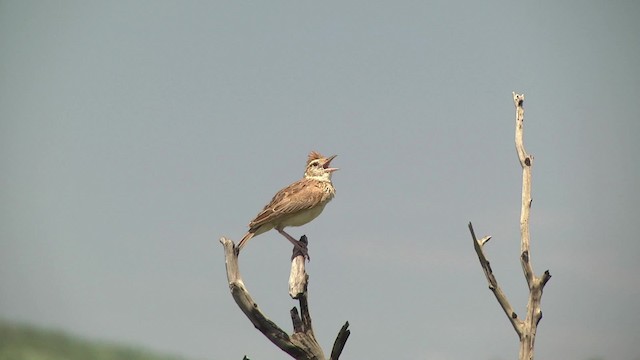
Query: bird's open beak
[(328, 163)]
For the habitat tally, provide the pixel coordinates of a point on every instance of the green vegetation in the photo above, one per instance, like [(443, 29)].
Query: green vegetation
[(21, 342)]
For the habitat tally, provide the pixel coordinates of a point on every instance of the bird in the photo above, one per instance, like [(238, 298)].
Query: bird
[(296, 204)]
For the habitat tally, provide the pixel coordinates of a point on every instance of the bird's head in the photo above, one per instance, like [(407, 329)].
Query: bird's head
[(319, 167)]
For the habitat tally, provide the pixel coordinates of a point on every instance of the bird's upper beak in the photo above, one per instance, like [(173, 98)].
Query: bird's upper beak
[(328, 163)]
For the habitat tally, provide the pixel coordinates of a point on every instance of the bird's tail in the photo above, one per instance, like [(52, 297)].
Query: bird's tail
[(244, 240)]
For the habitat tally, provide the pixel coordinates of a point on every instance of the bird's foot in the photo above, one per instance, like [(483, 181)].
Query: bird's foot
[(300, 248)]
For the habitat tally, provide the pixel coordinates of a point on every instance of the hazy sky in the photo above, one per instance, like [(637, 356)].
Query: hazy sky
[(134, 134)]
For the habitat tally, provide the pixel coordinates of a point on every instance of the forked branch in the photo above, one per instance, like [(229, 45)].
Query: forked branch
[(493, 282), (302, 344), (526, 328)]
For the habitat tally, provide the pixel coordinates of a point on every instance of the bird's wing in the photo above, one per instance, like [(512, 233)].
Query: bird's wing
[(300, 195)]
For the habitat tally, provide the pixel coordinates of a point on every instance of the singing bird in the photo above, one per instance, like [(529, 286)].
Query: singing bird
[(298, 203)]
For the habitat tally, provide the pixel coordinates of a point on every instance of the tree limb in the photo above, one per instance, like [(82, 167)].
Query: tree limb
[(249, 307), (302, 344), (535, 283), (341, 340), (526, 161), (493, 282), (527, 328)]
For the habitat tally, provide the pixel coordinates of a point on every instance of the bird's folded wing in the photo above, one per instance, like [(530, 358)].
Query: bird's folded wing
[(298, 196)]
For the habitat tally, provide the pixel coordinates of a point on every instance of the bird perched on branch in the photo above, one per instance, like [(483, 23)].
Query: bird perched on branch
[(298, 203)]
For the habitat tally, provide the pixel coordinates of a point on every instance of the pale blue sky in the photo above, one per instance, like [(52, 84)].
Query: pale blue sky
[(134, 134)]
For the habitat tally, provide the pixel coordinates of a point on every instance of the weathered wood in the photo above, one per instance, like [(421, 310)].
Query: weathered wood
[(302, 344), (298, 275), (535, 283), (303, 335), (249, 307), (493, 282), (341, 340), (527, 328)]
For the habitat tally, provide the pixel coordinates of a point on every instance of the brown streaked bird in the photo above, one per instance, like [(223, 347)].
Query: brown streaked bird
[(298, 203)]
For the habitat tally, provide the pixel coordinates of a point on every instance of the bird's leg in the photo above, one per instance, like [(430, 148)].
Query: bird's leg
[(297, 243)]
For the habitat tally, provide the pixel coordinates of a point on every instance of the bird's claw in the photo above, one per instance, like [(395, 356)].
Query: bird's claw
[(300, 248)]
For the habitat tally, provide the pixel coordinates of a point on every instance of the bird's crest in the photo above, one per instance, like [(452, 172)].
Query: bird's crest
[(314, 155)]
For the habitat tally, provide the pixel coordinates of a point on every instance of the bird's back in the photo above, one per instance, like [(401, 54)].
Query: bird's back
[(295, 205)]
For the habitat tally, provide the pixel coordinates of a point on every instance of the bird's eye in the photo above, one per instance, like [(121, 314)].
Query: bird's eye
[(314, 164)]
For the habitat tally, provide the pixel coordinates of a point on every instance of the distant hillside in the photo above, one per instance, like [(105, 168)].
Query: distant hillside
[(20, 342)]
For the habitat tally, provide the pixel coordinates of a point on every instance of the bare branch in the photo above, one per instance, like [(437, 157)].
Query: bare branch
[(518, 101), (295, 319), (303, 334), (245, 302), (302, 343), (545, 278), (341, 340), (484, 240), (526, 161), (298, 277), (493, 282), (527, 328)]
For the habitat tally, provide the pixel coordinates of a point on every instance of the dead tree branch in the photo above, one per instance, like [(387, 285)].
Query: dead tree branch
[(527, 328), (493, 283), (302, 344)]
